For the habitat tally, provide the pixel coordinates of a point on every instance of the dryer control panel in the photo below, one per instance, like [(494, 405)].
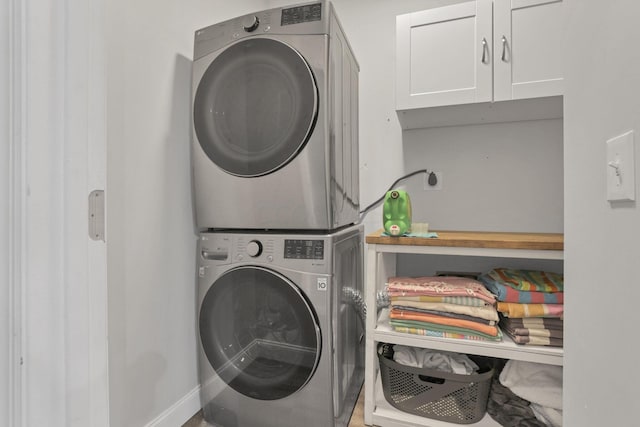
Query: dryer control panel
[(304, 13)]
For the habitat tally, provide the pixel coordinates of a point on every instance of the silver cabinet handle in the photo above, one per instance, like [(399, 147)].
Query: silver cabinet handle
[(504, 49), (484, 50)]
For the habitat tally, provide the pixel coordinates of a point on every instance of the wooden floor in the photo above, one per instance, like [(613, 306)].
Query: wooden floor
[(357, 418)]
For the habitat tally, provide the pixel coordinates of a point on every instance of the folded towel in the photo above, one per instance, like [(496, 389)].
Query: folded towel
[(439, 286), (528, 280), (397, 314), (533, 323), (486, 312), (505, 292), (514, 309)]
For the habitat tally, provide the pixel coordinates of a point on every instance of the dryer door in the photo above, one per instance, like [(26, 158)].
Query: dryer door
[(255, 107), (259, 333)]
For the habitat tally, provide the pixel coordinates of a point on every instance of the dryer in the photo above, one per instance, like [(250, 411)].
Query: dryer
[(281, 328), (275, 122)]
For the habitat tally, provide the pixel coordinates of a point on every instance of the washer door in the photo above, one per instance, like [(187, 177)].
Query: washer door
[(255, 107), (259, 333)]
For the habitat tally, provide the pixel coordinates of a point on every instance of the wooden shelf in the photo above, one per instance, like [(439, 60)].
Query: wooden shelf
[(476, 239)]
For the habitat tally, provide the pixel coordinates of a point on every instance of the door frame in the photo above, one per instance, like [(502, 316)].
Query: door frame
[(57, 149)]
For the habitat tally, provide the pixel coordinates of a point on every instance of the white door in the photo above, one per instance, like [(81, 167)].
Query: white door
[(53, 72), (444, 56), (528, 59)]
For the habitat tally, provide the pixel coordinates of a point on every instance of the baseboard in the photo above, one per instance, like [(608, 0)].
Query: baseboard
[(180, 412)]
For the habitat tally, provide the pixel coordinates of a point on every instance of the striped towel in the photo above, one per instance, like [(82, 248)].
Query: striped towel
[(528, 280), (511, 309)]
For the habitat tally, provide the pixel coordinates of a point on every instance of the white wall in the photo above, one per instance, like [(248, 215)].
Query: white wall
[(602, 100), (151, 238)]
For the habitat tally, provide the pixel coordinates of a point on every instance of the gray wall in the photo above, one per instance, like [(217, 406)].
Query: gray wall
[(496, 177), (601, 239)]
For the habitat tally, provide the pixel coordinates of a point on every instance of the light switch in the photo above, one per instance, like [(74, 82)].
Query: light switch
[(621, 177)]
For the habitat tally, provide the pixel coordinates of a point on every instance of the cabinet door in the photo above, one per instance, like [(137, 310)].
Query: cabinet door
[(527, 49), (444, 56)]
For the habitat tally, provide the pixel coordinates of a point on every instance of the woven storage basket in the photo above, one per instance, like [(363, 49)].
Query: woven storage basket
[(460, 399)]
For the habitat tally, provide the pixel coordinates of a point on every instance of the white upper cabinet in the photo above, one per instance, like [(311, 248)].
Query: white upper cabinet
[(479, 51), (527, 43), (443, 56)]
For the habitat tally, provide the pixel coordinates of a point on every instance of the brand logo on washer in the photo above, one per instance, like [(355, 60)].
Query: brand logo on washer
[(322, 284)]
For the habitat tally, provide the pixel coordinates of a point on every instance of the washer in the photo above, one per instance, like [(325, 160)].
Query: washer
[(281, 325), (275, 122)]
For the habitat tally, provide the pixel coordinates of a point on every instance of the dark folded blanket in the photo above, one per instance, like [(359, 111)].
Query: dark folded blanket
[(532, 322), (534, 331), (508, 409)]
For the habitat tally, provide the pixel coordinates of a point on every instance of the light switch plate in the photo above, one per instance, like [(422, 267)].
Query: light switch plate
[(621, 177)]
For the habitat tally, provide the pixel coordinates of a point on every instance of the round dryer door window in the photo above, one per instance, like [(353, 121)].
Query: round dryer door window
[(255, 107), (259, 333)]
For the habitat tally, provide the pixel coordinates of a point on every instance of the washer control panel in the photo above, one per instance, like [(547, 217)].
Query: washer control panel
[(304, 249), (301, 252)]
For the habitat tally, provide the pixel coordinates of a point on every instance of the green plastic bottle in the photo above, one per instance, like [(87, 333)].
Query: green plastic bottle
[(396, 213)]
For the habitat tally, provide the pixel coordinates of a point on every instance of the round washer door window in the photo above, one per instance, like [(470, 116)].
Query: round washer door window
[(255, 107), (259, 333)]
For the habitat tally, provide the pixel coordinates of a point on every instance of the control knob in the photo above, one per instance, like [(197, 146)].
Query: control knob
[(250, 23), (254, 248)]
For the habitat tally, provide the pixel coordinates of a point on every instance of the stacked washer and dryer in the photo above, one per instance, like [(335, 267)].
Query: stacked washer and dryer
[(280, 252)]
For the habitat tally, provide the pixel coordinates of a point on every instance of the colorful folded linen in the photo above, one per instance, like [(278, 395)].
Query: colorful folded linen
[(486, 312), (443, 334), (528, 280), (470, 301), (439, 286), (430, 319), (504, 292), (452, 315), (435, 330), (510, 309)]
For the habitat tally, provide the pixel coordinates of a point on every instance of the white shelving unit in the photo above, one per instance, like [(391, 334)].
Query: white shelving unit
[(381, 264)]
